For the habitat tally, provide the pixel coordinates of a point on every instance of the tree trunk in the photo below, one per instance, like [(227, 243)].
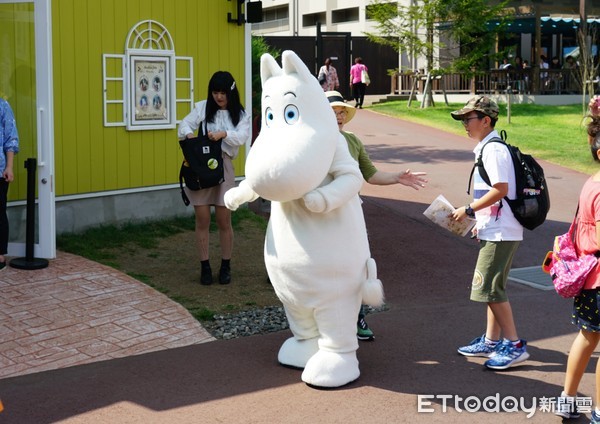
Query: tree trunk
[(428, 92)]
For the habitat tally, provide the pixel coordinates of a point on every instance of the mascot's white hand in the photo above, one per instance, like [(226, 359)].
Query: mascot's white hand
[(232, 198), (315, 202), (235, 197)]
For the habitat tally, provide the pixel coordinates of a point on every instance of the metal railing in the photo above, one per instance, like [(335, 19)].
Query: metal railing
[(271, 26), (494, 81)]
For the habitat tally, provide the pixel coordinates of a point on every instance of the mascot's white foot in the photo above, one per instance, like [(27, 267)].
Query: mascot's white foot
[(296, 353), (330, 369)]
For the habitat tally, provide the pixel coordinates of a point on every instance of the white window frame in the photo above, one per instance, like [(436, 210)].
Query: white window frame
[(149, 41), (108, 80), (190, 80)]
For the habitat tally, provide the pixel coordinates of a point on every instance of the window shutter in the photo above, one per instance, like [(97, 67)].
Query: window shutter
[(113, 90), (184, 86)]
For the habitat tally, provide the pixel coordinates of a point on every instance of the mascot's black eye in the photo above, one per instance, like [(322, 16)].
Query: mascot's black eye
[(291, 114), (268, 116)]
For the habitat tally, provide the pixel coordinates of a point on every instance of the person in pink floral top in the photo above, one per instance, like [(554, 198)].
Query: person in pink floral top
[(331, 77)]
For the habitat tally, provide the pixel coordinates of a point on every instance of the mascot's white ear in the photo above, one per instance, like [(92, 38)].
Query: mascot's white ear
[(293, 64), (268, 68)]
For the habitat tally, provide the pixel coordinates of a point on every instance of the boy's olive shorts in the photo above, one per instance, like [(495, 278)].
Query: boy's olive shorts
[(491, 271)]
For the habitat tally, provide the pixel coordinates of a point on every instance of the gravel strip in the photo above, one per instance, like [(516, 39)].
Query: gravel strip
[(255, 321), (248, 323)]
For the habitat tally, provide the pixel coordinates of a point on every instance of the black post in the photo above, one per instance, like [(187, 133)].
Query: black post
[(29, 262), (319, 48)]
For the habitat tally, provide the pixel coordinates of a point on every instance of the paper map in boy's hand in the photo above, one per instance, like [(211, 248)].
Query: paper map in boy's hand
[(439, 212)]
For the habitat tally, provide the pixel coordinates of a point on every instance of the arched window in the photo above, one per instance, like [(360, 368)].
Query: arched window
[(141, 87)]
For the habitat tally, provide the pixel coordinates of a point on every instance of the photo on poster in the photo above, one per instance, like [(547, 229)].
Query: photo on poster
[(149, 103)]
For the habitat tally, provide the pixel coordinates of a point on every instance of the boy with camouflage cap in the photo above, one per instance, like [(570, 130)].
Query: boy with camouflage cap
[(498, 233)]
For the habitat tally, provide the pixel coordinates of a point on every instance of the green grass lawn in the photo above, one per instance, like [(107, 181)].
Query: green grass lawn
[(553, 133)]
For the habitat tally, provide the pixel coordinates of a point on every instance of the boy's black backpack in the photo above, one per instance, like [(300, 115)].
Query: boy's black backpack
[(533, 201)]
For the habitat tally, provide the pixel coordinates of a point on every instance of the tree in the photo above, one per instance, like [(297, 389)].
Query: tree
[(586, 73), (259, 47), (475, 26), (419, 27)]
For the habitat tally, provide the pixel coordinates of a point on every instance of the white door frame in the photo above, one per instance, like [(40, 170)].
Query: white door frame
[(46, 230)]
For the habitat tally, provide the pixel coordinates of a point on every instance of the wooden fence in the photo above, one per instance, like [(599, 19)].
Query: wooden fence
[(495, 81)]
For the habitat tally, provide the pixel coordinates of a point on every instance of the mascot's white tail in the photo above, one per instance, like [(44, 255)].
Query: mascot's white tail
[(372, 290)]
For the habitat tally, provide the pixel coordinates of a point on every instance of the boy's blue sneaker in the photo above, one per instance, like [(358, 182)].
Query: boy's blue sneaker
[(595, 418), (478, 347), (507, 355)]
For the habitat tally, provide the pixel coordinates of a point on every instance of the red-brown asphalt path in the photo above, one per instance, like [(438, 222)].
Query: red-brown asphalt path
[(426, 272)]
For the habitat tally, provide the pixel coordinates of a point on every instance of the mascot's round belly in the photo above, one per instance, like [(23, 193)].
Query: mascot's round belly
[(308, 257)]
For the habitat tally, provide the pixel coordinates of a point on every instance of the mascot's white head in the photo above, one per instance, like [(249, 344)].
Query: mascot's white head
[(299, 133)]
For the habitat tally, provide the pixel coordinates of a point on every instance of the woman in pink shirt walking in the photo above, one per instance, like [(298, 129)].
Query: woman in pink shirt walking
[(358, 87)]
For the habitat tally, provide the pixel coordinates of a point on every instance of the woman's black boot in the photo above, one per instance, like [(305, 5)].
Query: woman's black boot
[(206, 278), (225, 272)]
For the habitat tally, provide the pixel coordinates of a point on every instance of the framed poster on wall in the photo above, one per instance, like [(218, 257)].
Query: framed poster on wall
[(150, 92)]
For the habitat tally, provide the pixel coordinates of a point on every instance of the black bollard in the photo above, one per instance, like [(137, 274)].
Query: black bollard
[(29, 262)]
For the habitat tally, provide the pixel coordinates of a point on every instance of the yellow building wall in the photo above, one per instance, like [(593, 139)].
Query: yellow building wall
[(92, 158)]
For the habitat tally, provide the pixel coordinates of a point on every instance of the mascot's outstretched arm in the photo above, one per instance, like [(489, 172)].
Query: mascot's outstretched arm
[(239, 195), (346, 183)]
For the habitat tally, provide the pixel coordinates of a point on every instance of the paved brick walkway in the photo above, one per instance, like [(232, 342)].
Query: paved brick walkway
[(77, 311)]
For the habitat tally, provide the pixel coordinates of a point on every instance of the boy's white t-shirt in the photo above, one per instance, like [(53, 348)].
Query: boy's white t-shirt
[(495, 223)]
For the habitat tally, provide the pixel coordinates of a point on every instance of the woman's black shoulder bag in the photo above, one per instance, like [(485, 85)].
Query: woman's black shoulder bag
[(203, 163)]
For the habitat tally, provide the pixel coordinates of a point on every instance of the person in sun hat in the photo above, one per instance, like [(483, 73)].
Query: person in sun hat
[(344, 114), (498, 234)]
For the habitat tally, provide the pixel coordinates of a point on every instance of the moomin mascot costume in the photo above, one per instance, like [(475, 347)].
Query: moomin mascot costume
[(316, 248)]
